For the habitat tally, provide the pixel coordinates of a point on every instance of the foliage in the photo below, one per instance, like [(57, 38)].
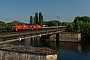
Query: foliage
[(40, 19), (81, 25), (31, 20), (55, 23), (71, 27), (51, 23), (16, 22), (64, 23), (2, 25), (36, 18)]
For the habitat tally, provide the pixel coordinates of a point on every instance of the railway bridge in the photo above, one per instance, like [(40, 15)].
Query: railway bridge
[(43, 33)]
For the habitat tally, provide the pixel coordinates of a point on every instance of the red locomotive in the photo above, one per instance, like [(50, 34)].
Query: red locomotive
[(19, 27)]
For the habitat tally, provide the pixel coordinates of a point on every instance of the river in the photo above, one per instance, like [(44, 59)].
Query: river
[(66, 50)]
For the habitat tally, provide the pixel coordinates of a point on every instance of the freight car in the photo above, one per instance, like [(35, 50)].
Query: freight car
[(21, 27)]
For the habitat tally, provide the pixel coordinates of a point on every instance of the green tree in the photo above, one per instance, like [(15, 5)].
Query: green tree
[(36, 18), (40, 19), (16, 22), (64, 23), (52, 23), (82, 25), (59, 24), (31, 20), (8, 26), (2, 25), (82, 18), (71, 27)]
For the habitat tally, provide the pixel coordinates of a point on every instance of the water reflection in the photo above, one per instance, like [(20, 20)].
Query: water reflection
[(85, 47), (31, 42), (81, 47)]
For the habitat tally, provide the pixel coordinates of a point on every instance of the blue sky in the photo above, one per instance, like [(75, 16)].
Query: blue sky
[(20, 10)]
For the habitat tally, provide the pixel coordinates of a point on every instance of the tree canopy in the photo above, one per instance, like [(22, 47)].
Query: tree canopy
[(37, 19), (81, 24)]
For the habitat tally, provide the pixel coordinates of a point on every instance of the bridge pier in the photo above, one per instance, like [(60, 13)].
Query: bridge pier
[(69, 37), (50, 37), (57, 37), (63, 37)]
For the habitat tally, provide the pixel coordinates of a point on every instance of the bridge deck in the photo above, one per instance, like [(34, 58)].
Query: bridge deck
[(38, 31)]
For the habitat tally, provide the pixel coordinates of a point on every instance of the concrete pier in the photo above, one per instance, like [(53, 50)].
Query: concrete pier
[(70, 37), (65, 37), (10, 52), (5, 55)]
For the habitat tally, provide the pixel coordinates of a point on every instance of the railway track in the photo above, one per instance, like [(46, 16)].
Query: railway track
[(34, 31)]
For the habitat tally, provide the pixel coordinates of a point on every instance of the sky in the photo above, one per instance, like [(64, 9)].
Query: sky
[(21, 10)]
